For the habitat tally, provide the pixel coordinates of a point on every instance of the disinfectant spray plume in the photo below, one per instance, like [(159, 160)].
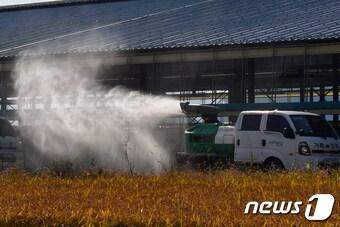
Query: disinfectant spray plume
[(71, 117)]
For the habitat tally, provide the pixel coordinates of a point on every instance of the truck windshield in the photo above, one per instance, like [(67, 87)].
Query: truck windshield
[(309, 125)]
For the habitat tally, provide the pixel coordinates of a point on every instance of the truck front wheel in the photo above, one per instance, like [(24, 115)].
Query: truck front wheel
[(273, 164)]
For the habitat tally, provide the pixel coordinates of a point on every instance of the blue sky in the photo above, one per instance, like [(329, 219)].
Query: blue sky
[(15, 2)]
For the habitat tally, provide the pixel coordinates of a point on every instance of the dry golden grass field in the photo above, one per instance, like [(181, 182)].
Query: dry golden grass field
[(174, 199)]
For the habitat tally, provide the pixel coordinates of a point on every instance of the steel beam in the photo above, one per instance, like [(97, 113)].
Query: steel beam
[(335, 63)]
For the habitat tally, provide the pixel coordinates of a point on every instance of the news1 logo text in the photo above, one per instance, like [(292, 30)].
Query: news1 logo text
[(318, 208)]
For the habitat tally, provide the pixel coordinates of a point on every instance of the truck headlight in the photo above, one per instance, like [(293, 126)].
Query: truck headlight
[(304, 149)]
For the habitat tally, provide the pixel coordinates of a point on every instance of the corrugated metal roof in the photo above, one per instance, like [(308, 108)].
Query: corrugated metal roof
[(153, 24)]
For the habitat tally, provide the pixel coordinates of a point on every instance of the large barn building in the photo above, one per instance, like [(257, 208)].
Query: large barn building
[(283, 53)]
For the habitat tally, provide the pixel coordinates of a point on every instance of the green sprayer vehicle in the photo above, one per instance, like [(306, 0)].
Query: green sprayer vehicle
[(210, 142)]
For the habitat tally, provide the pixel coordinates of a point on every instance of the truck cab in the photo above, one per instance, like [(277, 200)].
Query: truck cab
[(285, 139)]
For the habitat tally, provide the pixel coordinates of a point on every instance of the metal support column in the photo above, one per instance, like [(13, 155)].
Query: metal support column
[(237, 89), (251, 81), (143, 78), (243, 80), (311, 94), (322, 93), (3, 106), (335, 66), (302, 85), (3, 88), (155, 82)]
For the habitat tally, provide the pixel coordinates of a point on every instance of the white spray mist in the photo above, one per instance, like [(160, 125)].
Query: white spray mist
[(73, 118)]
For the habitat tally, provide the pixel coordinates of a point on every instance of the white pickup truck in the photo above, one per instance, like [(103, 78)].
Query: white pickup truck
[(272, 139), (285, 139)]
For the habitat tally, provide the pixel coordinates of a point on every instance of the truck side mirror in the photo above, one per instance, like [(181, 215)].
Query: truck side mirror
[(288, 133)]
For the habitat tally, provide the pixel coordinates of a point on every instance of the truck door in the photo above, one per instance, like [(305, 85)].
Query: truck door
[(275, 144), (247, 137)]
